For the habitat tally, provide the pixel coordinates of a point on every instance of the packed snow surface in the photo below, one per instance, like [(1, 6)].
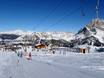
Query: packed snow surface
[(70, 65)]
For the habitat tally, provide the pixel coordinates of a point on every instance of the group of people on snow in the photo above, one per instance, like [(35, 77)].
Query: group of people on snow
[(27, 55)]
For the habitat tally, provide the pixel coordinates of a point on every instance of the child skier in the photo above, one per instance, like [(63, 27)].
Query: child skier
[(29, 56)]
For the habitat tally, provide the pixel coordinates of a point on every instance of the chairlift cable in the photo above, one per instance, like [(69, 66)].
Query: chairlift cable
[(67, 15), (51, 12)]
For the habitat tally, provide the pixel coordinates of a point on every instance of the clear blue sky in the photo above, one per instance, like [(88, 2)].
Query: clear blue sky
[(47, 15)]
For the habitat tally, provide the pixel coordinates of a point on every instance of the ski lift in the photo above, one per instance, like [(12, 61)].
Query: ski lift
[(82, 9)]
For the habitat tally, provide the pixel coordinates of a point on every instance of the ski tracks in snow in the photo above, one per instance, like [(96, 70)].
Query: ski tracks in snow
[(50, 67)]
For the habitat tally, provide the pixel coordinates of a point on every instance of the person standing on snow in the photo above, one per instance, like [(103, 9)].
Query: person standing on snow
[(18, 54), (21, 54), (30, 55)]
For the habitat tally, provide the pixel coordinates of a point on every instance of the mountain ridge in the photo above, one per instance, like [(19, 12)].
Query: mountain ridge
[(42, 35), (91, 34)]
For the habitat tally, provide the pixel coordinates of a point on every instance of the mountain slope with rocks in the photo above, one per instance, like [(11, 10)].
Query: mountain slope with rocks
[(92, 34), (41, 35)]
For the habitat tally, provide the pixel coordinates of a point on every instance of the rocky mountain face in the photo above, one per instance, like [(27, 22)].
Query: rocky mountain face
[(91, 34), (54, 38), (8, 36), (41, 35), (61, 39)]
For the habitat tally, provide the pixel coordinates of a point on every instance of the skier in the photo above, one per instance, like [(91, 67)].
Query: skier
[(21, 54), (18, 54), (53, 52), (30, 54)]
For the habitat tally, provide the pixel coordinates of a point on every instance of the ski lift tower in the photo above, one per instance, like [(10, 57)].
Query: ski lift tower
[(96, 21), (97, 9)]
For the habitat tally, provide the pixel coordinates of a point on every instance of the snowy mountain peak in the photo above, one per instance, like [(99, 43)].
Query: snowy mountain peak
[(93, 32), (55, 35), (41, 35), (17, 32), (96, 23)]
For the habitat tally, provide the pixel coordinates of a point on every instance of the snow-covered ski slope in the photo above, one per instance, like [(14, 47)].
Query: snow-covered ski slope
[(72, 65)]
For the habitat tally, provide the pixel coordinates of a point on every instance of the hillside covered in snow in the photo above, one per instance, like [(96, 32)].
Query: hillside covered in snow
[(41, 35)]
